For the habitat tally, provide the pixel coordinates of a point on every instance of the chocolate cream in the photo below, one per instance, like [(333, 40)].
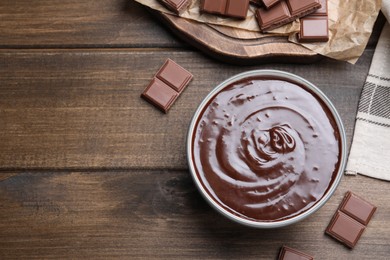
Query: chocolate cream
[(266, 149)]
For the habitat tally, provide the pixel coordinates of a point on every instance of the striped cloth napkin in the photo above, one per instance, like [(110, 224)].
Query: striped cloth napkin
[(370, 150)]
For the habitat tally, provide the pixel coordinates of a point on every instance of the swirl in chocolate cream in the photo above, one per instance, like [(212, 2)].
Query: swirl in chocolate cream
[(266, 149)]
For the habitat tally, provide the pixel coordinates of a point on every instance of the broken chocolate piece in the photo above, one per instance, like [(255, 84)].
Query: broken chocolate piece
[(177, 6), (231, 8), (288, 253), (314, 27), (351, 219), (345, 229), (167, 85), (269, 3), (174, 75), (160, 95), (323, 10), (357, 208), (284, 12)]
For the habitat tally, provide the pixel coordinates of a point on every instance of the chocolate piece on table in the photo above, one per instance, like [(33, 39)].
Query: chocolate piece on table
[(167, 85), (269, 3), (284, 12), (345, 229), (230, 8), (357, 208), (160, 94), (174, 75), (177, 6), (314, 27), (287, 253)]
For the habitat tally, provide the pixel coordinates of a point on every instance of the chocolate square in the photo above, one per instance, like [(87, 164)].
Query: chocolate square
[(177, 6), (237, 8), (298, 6), (160, 95), (357, 208), (288, 253), (213, 6), (269, 19), (230, 8), (314, 29), (324, 8), (174, 75), (167, 85), (345, 229), (269, 3)]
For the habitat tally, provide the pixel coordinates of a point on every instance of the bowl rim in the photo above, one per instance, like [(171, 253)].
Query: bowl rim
[(283, 75)]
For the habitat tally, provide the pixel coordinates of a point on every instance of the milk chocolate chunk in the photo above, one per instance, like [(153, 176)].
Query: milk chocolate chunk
[(231, 8), (237, 8), (357, 208), (174, 75), (285, 12), (314, 27), (269, 3), (298, 7), (345, 229), (323, 10), (177, 6), (351, 219), (167, 85), (213, 6), (287, 253), (160, 95), (273, 18)]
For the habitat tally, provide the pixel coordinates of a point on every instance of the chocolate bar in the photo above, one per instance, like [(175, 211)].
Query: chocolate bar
[(166, 86), (177, 6), (314, 27), (350, 220), (285, 12), (287, 253), (231, 8)]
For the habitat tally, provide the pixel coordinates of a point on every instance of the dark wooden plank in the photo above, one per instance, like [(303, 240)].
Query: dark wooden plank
[(160, 215), (81, 109), (78, 23)]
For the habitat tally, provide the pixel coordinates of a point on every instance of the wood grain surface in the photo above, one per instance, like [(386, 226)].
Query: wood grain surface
[(86, 113), (160, 214), (90, 170), (75, 24)]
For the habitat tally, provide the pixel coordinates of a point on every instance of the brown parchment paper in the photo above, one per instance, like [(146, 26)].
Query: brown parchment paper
[(350, 25)]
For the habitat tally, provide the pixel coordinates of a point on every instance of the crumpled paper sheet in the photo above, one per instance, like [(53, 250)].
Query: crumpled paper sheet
[(350, 25)]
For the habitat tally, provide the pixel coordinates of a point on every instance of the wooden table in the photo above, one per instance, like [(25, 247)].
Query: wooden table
[(90, 170)]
